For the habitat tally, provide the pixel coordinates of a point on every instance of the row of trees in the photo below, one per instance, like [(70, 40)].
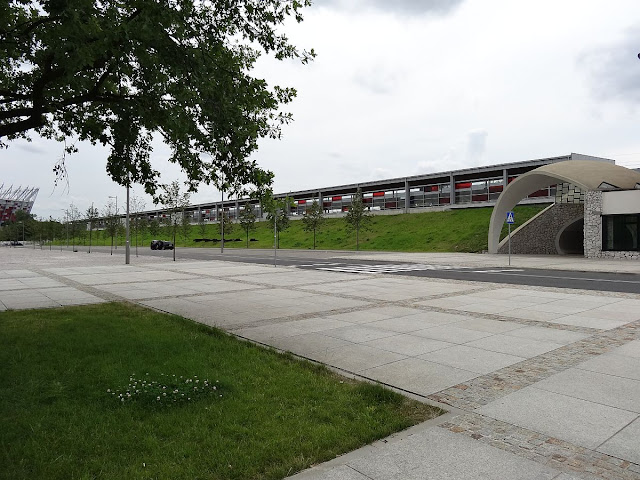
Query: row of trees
[(83, 226)]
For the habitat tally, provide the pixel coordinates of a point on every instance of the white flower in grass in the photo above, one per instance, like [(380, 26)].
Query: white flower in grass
[(108, 390), (164, 394), (158, 398)]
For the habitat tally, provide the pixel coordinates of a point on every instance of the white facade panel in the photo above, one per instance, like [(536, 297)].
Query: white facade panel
[(624, 202)]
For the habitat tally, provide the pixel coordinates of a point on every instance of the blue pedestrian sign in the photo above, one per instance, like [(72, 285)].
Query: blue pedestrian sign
[(510, 218)]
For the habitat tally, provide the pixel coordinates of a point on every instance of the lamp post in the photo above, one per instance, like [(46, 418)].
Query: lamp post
[(127, 251), (116, 197)]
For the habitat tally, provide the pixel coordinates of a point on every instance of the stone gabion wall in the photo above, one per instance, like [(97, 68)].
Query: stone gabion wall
[(538, 236), (593, 230), (569, 193)]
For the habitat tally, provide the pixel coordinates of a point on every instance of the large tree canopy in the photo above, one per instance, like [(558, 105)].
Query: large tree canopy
[(118, 72)]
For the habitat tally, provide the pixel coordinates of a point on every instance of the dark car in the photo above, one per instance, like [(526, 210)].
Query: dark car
[(161, 245)]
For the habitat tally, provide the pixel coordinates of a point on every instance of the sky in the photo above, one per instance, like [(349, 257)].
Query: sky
[(407, 87)]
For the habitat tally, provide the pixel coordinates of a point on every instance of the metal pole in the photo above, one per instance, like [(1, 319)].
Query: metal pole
[(118, 222), (509, 244), (222, 221), (90, 226), (275, 239), (127, 253)]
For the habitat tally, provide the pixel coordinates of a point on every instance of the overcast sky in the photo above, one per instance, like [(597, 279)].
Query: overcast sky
[(406, 87)]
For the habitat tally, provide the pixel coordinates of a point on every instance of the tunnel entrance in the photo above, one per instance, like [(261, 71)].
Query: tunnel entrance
[(571, 239)]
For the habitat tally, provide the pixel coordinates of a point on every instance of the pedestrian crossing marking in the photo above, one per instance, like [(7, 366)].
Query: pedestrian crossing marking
[(388, 268)]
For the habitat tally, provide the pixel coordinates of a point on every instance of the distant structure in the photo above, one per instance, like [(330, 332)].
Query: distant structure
[(14, 199)]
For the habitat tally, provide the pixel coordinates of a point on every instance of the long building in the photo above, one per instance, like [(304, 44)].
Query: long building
[(470, 187), (15, 199)]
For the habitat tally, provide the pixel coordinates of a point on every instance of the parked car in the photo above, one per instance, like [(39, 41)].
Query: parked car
[(161, 245)]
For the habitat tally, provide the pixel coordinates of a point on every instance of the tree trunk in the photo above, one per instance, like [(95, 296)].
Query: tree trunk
[(357, 239)]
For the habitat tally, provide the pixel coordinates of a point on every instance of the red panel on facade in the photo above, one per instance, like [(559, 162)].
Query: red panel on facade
[(479, 198), (511, 179), (540, 193), (445, 200), (336, 198), (378, 194), (463, 185), (495, 188), (367, 200), (301, 202)]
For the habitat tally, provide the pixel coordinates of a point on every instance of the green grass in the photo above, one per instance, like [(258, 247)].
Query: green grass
[(460, 230), (276, 416)]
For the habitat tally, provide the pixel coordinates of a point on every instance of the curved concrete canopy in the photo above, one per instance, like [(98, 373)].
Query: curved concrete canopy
[(585, 174)]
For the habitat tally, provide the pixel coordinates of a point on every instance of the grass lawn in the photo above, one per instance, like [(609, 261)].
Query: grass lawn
[(460, 230), (269, 416)]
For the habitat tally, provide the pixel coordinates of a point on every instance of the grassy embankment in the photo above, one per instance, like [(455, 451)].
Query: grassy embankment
[(463, 230), (63, 371)]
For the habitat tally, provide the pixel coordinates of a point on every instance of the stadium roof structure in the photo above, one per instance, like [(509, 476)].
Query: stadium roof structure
[(14, 199), (585, 174)]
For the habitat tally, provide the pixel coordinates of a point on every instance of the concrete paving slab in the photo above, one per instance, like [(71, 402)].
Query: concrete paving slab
[(370, 315), (572, 419), (631, 349), (472, 359), (359, 333), (440, 454), (527, 314), (490, 326), (308, 343), (265, 333), (612, 364), (554, 335), (589, 322), (406, 324), (297, 277), (451, 334), (409, 345), (623, 393), (521, 347), (355, 358), (419, 376), (625, 444)]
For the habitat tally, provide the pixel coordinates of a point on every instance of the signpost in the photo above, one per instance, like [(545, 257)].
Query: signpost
[(510, 221)]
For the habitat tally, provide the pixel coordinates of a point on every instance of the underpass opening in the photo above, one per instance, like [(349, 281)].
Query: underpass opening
[(570, 240)]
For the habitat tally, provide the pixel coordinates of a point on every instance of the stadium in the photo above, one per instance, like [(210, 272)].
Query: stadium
[(16, 199)]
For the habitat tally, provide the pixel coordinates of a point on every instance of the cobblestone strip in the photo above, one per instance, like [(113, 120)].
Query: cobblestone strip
[(503, 318), (541, 448), (110, 297), (487, 388)]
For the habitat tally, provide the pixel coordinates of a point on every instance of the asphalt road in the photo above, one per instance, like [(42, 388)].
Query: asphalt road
[(335, 261)]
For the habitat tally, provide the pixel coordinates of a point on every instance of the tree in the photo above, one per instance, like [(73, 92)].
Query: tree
[(202, 225), (119, 73), (111, 220), (358, 217), (277, 212), (74, 218), (247, 220), (154, 227), (91, 215), (137, 206), (313, 219), (185, 227), (174, 202)]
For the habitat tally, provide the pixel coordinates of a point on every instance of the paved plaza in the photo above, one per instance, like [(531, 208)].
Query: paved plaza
[(540, 383)]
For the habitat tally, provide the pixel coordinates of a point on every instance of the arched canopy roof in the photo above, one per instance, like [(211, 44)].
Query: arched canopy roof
[(585, 174)]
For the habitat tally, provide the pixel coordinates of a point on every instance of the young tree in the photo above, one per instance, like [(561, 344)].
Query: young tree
[(137, 206), (154, 227), (174, 202), (74, 218), (313, 219), (277, 212), (358, 217), (120, 72), (111, 221), (185, 226), (202, 225), (247, 220), (91, 215)]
